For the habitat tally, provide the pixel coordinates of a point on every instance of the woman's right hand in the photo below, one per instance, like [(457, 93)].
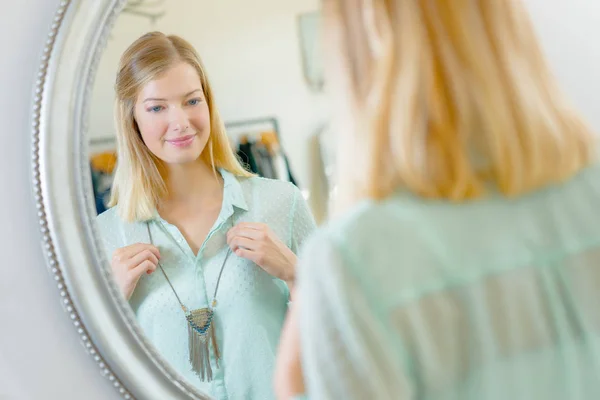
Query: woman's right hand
[(130, 262)]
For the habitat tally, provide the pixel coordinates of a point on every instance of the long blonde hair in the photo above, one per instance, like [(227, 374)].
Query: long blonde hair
[(138, 184), (446, 97)]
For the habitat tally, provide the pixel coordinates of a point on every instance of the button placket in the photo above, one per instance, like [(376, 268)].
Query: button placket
[(189, 261), (210, 251)]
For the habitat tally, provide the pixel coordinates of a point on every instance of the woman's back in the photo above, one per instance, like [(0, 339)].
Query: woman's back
[(493, 299), (442, 292)]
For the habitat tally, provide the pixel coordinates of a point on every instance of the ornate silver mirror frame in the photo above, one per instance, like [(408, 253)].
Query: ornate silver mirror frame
[(63, 193)]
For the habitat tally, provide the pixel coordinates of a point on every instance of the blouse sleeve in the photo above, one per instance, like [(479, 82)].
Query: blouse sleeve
[(346, 351), (303, 222)]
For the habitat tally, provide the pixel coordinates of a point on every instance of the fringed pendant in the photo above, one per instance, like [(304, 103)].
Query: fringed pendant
[(201, 332)]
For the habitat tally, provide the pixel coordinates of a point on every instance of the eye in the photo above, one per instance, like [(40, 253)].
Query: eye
[(194, 102), (155, 109)]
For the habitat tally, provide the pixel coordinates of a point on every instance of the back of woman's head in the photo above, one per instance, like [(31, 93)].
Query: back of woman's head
[(139, 184), (444, 97)]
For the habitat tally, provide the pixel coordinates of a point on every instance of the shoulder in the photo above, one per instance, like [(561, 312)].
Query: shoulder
[(108, 219), (375, 242), (110, 229), (368, 221), (353, 231), (260, 183), (270, 189), (328, 261)]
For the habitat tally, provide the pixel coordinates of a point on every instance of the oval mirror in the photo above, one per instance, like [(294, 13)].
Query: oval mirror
[(173, 142)]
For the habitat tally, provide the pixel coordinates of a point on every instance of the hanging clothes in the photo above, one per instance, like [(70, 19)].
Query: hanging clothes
[(262, 154), (246, 155), (102, 170), (266, 161)]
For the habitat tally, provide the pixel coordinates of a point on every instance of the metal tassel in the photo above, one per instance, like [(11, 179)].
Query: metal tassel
[(213, 336), (200, 333)]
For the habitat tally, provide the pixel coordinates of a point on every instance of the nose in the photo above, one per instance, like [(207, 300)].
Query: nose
[(179, 120)]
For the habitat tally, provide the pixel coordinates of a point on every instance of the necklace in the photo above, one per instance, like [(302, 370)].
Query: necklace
[(201, 327)]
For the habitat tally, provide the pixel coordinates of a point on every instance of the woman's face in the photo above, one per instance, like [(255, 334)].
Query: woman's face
[(172, 115)]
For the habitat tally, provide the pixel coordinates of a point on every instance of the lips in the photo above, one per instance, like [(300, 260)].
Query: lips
[(182, 141)]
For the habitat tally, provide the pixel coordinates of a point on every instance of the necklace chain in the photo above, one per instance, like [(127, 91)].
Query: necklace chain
[(183, 307)]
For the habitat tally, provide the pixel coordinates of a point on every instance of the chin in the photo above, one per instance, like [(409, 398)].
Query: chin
[(183, 161), (190, 157)]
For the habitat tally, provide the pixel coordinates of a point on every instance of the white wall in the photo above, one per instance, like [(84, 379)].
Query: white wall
[(52, 365), (569, 31), (40, 353), (252, 54)]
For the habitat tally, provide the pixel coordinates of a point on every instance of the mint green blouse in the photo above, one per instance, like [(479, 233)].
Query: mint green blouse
[(251, 304), (491, 299)]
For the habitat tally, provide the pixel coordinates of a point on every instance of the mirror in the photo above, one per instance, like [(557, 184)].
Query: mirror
[(201, 167), (212, 145)]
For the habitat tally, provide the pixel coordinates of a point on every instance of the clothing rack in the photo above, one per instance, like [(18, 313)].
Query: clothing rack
[(255, 121), (236, 129), (257, 143)]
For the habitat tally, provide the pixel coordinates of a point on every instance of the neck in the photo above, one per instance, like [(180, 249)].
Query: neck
[(192, 185)]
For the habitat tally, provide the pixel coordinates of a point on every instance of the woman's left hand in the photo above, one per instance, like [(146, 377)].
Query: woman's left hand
[(257, 243)]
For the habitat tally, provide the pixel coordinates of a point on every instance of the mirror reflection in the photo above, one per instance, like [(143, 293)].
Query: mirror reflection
[(210, 168)]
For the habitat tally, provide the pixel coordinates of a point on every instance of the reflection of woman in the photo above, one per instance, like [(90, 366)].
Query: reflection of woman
[(180, 202), (468, 267)]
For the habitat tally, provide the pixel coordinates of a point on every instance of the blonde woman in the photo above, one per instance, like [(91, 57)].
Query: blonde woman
[(203, 251), (466, 264)]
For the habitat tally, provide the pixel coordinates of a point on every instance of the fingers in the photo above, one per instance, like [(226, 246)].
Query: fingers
[(129, 263), (252, 225), (245, 233), (250, 229), (240, 242), (248, 255), (145, 266), (125, 253), (141, 257)]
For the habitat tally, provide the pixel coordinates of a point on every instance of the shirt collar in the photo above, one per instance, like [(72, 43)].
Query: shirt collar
[(232, 191)]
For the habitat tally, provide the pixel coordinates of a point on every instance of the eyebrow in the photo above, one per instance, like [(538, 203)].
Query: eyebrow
[(185, 95)]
